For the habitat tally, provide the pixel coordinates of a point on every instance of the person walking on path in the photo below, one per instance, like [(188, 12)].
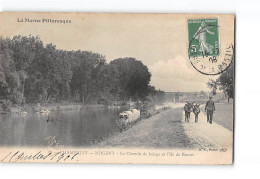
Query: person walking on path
[(210, 108)]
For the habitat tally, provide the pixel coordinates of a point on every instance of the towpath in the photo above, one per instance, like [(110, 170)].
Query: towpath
[(168, 130)]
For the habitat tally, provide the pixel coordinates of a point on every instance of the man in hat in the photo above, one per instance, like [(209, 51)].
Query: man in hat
[(210, 108)]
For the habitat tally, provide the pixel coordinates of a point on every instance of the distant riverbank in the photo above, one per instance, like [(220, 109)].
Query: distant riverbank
[(45, 108)]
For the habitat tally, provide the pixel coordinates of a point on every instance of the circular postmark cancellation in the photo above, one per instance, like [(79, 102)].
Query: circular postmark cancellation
[(205, 53)]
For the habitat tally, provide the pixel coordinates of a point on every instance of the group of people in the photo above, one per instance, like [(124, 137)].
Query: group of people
[(195, 108)]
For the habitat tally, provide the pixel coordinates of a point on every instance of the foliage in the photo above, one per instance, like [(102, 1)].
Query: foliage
[(31, 72), (225, 82), (133, 78), (212, 84)]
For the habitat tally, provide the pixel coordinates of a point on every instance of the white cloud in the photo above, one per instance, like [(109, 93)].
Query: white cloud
[(177, 75)]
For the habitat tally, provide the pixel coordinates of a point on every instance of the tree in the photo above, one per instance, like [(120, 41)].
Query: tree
[(4, 90), (213, 85), (134, 78), (10, 82), (22, 76), (31, 72), (107, 82), (86, 68), (24, 50), (202, 93), (226, 81), (159, 96)]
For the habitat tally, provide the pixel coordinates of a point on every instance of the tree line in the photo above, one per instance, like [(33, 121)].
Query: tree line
[(225, 82), (31, 72)]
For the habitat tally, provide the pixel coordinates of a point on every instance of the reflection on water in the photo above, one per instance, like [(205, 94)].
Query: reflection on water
[(70, 128)]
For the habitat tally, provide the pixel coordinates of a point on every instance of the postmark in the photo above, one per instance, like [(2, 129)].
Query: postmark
[(205, 53)]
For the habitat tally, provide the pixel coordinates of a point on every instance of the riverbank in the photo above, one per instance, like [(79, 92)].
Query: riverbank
[(223, 114), (225, 117), (168, 130), (163, 130), (45, 108)]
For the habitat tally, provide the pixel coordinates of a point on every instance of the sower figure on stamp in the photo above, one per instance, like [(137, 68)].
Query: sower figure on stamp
[(210, 108), (200, 35)]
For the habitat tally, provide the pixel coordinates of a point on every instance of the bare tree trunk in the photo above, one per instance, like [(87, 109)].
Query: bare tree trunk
[(23, 88), (125, 96), (86, 100), (48, 98)]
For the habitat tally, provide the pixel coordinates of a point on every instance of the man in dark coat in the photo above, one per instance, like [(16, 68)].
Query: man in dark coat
[(210, 108)]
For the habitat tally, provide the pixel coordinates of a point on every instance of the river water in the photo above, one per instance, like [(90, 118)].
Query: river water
[(75, 128)]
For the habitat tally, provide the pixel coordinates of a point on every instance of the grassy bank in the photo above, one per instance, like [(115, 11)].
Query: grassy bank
[(223, 115), (159, 131)]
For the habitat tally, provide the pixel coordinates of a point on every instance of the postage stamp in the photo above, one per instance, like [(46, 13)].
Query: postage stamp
[(203, 37), (205, 53)]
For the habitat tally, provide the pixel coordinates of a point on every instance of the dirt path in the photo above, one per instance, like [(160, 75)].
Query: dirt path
[(168, 130), (207, 135)]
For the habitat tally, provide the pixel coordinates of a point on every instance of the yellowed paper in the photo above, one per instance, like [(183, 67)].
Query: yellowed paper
[(116, 88)]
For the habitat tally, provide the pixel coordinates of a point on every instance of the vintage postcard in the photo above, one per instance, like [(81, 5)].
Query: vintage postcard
[(116, 88)]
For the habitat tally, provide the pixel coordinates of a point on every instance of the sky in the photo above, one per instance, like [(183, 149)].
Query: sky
[(159, 40)]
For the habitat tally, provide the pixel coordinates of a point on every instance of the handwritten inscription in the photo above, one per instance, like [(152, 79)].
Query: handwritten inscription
[(13, 157), (73, 156)]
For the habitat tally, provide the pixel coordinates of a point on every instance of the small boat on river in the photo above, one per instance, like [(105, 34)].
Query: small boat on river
[(129, 116)]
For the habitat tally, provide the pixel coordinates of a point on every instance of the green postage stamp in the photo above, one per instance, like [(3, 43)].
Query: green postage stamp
[(203, 37)]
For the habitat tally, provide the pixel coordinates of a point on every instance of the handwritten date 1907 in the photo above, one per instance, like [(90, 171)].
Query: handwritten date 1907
[(13, 157)]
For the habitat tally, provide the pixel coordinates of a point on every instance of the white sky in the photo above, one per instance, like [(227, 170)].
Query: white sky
[(159, 41)]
